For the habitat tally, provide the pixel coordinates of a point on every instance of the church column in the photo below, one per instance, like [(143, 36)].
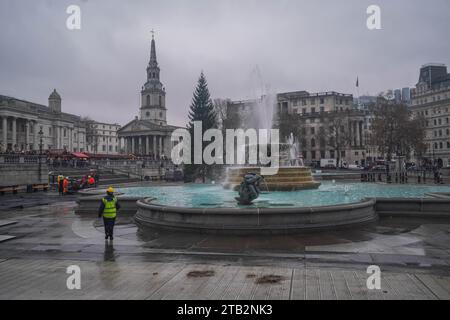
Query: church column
[(160, 145), (154, 146), (361, 136), (133, 151), (14, 132), (140, 146), (358, 137), (147, 145)]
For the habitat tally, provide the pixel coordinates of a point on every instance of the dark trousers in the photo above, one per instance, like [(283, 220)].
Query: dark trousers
[(109, 225)]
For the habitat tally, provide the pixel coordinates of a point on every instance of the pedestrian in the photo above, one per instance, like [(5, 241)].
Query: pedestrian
[(66, 185), (108, 209), (60, 184), (91, 181)]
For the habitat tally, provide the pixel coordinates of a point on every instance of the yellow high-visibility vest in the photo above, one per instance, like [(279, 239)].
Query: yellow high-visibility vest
[(110, 210)]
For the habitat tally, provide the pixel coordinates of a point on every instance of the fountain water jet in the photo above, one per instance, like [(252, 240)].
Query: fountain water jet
[(292, 174)]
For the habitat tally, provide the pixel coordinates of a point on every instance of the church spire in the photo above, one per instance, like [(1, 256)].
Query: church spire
[(153, 61), (153, 68)]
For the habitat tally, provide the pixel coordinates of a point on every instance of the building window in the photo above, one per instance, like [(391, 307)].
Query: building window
[(322, 100), (313, 110), (313, 143), (313, 130), (104, 148)]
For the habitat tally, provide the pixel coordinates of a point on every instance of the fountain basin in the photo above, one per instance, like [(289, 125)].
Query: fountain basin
[(252, 220), (287, 178)]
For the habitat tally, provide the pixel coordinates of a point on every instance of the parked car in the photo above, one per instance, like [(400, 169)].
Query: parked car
[(354, 167)]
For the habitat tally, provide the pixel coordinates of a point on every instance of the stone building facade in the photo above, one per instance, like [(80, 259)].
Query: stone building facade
[(102, 138), (21, 122), (431, 99), (314, 113), (149, 134)]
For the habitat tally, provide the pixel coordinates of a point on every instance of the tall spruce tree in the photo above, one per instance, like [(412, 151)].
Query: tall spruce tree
[(202, 109)]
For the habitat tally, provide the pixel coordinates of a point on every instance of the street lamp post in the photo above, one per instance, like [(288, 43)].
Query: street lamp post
[(40, 133)]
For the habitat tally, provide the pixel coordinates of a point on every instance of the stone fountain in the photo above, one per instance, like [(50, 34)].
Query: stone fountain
[(292, 174)]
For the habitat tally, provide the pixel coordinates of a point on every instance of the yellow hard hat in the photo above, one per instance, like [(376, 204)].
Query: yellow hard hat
[(110, 190)]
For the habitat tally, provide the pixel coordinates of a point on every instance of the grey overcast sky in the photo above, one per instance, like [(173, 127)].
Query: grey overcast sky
[(314, 45)]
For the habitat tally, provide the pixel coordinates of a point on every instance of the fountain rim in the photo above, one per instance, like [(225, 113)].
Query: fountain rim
[(147, 202)]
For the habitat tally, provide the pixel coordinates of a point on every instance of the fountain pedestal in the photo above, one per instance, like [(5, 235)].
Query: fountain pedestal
[(287, 178)]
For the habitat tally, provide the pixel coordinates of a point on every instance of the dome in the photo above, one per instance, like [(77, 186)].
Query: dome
[(55, 95)]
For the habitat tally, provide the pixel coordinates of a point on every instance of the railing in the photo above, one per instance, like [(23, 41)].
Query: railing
[(20, 159)]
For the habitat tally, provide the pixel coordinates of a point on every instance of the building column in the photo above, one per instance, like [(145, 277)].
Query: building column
[(27, 134), (14, 133), (5, 133), (147, 145), (35, 135), (133, 151), (154, 146), (61, 129), (71, 139), (160, 145), (361, 138), (358, 134)]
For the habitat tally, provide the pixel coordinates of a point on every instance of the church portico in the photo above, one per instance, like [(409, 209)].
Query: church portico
[(147, 144)]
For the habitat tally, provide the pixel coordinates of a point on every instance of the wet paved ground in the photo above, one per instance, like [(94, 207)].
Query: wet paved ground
[(39, 243)]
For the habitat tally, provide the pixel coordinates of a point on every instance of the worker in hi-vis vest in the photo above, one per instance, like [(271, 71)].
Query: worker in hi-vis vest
[(108, 209)]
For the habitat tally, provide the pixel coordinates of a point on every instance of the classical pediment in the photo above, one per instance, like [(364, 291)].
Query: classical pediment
[(144, 126)]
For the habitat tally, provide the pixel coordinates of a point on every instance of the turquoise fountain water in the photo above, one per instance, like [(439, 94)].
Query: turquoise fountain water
[(214, 196)]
